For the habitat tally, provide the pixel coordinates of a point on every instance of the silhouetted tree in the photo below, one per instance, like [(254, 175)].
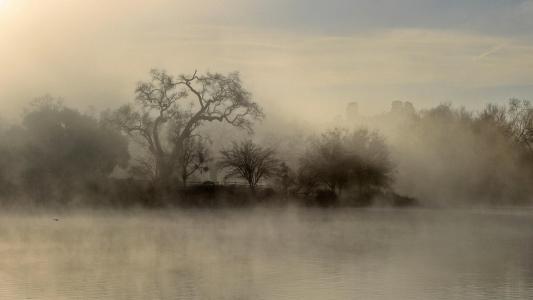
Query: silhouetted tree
[(515, 121), (10, 160), (307, 180), (339, 159), (186, 102), (63, 149), (143, 167), (285, 178), (326, 163), (250, 162), (194, 158), (490, 161), (520, 115)]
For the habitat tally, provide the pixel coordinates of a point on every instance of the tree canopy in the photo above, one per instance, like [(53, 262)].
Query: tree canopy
[(177, 106)]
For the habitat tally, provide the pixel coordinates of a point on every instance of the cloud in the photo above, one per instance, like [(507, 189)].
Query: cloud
[(491, 51)]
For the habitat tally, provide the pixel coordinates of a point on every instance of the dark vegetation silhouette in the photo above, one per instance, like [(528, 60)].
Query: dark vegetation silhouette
[(176, 107), (58, 153), (194, 158), (515, 121), (250, 162), (158, 151), (453, 156), (356, 163)]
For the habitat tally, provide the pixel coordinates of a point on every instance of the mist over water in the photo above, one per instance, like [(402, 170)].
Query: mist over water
[(285, 253), (266, 149)]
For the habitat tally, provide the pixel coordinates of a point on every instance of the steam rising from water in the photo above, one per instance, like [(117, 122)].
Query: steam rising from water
[(267, 254)]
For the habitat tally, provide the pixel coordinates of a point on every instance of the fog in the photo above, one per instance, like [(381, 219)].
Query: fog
[(267, 254), (446, 155), (442, 156), (266, 149), (450, 155), (299, 64)]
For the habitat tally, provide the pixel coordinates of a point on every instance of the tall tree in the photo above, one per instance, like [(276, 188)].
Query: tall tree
[(185, 102), (250, 162)]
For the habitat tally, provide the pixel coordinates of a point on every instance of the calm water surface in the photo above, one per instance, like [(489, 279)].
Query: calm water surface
[(268, 254)]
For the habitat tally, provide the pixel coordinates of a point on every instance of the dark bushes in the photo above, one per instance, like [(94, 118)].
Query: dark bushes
[(347, 168), (213, 195)]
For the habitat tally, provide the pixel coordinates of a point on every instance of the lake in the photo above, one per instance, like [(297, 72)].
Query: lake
[(289, 253)]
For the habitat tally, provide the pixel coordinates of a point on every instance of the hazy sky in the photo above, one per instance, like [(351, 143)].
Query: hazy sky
[(308, 56)]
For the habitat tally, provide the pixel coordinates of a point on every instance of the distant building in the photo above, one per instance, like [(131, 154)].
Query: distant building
[(402, 108), (352, 111)]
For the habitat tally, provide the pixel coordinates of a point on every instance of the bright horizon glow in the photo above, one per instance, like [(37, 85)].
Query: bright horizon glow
[(4, 7), (304, 61)]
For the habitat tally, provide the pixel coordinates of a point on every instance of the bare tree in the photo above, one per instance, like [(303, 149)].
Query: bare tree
[(520, 114), (143, 167), (515, 120), (186, 102), (194, 158), (249, 162)]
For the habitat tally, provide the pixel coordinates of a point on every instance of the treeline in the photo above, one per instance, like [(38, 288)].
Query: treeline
[(153, 152), (452, 156), (57, 154)]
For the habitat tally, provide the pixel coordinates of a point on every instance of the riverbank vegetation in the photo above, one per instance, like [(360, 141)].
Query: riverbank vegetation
[(158, 151)]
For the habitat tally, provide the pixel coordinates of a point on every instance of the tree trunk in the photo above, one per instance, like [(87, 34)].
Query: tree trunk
[(163, 175), (184, 177), (252, 187)]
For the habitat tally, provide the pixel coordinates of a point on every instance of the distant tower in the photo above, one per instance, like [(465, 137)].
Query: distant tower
[(352, 111), (403, 108)]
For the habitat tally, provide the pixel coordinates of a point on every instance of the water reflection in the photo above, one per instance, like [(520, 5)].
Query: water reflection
[(268, 254)]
